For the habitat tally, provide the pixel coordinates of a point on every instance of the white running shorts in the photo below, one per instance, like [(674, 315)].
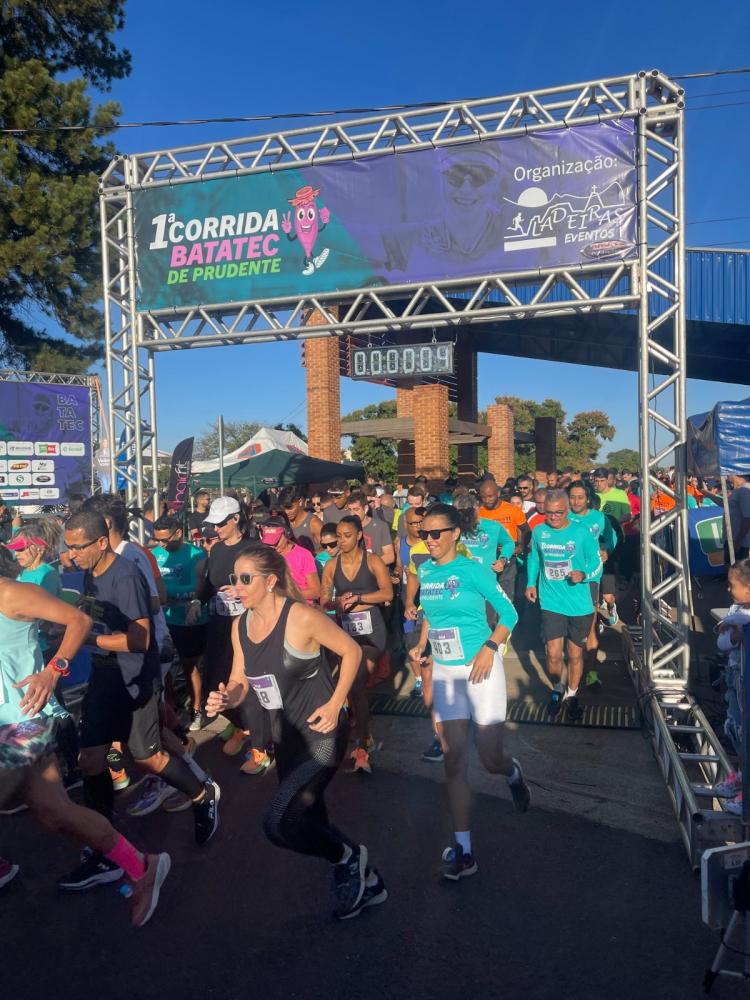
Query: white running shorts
[(454, 697)]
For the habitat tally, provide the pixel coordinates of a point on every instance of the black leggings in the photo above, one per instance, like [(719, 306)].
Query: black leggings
[(297, 818)]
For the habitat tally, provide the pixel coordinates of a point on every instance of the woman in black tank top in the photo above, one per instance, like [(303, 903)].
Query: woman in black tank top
[(362, 583), (279, 645)]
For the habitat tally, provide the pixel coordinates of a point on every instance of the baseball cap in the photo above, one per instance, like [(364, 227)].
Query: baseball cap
[(221, 509)]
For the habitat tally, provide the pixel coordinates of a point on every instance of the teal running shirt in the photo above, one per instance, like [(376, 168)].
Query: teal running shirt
[(485, 542), (454, 598), (556, 552)]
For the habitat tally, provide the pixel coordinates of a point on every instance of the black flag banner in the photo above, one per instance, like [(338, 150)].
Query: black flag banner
[(179, 477)]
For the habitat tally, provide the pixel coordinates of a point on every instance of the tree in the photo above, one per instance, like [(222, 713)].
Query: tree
[(49, 212), (378, 455), (293, 428), (624, 458), (578, 442), (236, 432)]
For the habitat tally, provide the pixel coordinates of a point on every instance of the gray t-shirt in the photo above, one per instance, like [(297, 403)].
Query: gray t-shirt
[(332, 514), (739, 508), (377, 536)]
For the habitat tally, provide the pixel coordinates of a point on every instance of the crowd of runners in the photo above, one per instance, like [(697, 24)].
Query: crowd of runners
[(275, 615)]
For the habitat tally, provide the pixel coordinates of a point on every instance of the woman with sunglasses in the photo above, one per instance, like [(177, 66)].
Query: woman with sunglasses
[(468, 678), (225, 516), (279, 646), (277, 532), (361, 583)]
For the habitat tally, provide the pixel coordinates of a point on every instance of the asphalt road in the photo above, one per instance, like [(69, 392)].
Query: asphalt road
[(562, 906)]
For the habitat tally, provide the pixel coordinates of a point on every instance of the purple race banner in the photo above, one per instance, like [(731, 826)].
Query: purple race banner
[(557, 198), (45, 443)]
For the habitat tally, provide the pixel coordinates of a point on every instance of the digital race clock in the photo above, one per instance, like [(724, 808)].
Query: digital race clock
[(402, 361)]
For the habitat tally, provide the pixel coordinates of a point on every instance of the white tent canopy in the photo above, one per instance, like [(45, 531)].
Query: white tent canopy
[(266, 439)]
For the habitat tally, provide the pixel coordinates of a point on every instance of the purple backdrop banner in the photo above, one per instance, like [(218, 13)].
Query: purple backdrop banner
[(561, 197), (45, 442)]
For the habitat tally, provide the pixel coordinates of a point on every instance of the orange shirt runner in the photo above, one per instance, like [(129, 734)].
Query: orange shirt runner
[(510, 516)]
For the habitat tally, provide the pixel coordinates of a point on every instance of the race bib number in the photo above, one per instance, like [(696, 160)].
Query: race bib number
[(267, 690), (357, 623), (446, 644), (558, 570), (227, 607)]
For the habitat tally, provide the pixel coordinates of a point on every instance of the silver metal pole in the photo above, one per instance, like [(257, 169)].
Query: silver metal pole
[(221, 456), (152, 414), (727, 520), (643, 395)]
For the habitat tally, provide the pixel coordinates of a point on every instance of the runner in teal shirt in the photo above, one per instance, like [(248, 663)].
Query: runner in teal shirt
[(179, 570), (486, 541), (555, 554), (563, 562), (467, 675)]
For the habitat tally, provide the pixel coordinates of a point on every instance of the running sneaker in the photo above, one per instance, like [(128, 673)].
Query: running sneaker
[(729, 787), (120, 779), (593, 679), (361, 760), (93, 870), (145, 895), (374, 894), (555, 702), (206, 814), (573, 710), (457, 864), (416, 691), (519, 790), (235, 743), (349, 882), (176, 802), (611, 615), (734, 806), (197, 722), (434, 752), (152, 795), (7, 872), (256, 762)]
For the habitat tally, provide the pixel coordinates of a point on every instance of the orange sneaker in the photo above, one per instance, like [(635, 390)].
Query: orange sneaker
[(256, 762), (235, 743), (361, 759)]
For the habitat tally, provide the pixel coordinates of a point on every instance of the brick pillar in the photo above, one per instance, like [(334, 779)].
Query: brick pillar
[(500, 446), (466, 379), (405, 447), (431, 433), (323, 395)]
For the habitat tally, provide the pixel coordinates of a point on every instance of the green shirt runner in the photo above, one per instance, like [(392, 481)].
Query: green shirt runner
[(454, 597), (601, 530), (178, 570), (556, 552)]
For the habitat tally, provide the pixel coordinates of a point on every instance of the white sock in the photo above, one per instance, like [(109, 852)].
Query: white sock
[(571, 692), (515, 775), (371, 880), (195, 767), (463, 839), (345, 856)]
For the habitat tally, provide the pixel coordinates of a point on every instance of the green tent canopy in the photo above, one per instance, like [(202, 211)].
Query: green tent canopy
[(280, 468)]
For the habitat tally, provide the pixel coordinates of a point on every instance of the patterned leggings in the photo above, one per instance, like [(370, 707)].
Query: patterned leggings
[(297, 818)]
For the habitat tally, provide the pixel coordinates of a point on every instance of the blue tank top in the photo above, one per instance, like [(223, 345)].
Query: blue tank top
[(20, 656)]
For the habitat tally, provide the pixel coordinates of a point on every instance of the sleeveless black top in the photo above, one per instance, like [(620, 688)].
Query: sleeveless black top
[(286, 682), (364, 581)]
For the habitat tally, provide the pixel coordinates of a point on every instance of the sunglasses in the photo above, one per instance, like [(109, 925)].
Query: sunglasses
[(85, 545), (225, 522), (329, 545), (244, 578), (433, 533), (477, 175)]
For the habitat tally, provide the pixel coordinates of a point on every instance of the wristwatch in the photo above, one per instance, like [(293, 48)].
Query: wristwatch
[(491, 644), (60, 665)]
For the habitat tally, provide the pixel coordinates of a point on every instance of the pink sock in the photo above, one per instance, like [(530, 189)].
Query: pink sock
[(125, 856)]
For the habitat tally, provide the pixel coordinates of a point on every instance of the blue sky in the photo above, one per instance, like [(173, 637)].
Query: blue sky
[(234, 57)]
